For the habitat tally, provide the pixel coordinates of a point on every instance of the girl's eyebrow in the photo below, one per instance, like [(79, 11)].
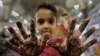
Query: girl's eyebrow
[(51, 18)]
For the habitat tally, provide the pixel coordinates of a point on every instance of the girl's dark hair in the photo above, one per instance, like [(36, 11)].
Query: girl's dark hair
[(47, 6)]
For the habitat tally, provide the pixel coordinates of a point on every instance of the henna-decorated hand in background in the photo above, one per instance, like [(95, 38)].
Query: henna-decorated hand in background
[(27, 44)]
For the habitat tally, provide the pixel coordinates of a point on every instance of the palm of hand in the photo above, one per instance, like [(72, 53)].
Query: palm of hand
[(75, 45), (27, 45)]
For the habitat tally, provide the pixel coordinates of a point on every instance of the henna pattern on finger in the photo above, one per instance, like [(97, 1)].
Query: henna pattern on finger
[(15, 36), (22, 30), (11, 46), (83, 25), (71, 27), (89, 32), (32, 30)]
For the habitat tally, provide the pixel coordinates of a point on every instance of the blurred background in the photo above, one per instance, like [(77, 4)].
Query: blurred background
[(14, 10)]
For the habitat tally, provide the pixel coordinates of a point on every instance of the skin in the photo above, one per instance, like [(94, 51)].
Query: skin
[(75, 45), (46, 27), (27, 44), (64, 20)]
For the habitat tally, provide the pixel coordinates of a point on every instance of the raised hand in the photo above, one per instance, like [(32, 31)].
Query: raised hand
[(75, 45), (26, 44)]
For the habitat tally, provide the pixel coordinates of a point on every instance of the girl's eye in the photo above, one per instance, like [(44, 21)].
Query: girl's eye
[(51, 21), (40, 21)]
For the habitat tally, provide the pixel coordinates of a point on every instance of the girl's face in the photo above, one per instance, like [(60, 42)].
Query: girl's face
[(45, 21)]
